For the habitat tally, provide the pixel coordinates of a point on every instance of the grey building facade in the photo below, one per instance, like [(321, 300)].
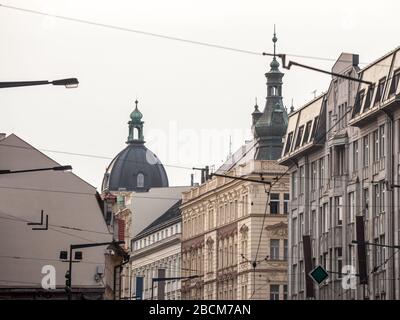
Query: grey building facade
[(343, 151)]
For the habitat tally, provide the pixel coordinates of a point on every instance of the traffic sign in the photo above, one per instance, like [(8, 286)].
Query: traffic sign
[(319, 274)]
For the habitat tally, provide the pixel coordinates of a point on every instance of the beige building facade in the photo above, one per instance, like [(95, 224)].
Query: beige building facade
[(222, 220)]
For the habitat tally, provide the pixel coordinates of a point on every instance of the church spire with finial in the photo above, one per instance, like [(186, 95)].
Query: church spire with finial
[(270, 126), (135, 125)]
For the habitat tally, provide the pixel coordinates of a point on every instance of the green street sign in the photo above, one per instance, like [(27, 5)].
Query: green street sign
[(319, 274)]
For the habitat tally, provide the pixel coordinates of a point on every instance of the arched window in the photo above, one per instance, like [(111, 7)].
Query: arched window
[(140, 180)]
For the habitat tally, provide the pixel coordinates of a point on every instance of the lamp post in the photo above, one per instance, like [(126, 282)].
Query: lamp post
[(68, 83), (57, 168), (79, 246)]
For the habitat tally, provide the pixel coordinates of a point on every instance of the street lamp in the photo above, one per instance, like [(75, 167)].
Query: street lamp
[(68, 83), (68, 276), (57, 168)]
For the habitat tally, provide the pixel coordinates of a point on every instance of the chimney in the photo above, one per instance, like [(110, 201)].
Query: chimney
[(2, 135)]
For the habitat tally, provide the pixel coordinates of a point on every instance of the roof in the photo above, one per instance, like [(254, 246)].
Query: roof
[(135, 159), (303, 128), (168, 217), (384, 92)]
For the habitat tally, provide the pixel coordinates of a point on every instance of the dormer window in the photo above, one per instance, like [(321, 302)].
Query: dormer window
[(288, 142), (358, 102), (299, 136), (140, 180), (379, 91), (395, 82), (368, 99), (307, 133)]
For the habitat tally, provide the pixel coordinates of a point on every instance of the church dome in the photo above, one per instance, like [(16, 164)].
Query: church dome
[(135, 168)]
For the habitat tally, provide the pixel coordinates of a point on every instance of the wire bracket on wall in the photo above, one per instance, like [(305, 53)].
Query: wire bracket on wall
[(44, 227)]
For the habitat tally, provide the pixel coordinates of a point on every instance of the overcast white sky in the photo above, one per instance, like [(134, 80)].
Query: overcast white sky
[(186, 92)]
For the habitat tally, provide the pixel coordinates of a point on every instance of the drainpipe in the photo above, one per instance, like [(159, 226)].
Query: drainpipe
[(391, 212)]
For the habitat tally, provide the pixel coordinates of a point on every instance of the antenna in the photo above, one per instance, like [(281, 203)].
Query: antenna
[(314, 92)]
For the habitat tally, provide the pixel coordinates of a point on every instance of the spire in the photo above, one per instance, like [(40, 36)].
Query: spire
[(291, 107), (135, 126), (270, 126), (274, 63)]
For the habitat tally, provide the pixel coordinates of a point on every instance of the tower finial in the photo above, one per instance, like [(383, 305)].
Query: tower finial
[(274, 40), (274, 64)]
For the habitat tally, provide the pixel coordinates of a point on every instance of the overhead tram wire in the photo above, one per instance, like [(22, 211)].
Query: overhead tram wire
[(161, 36), (88, 155)]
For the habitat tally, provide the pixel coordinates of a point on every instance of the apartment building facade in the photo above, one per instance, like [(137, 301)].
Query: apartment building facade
[(342, 149)]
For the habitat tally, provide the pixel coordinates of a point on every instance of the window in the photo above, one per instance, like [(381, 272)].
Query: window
[(382, 196), (366, 202), (301, 276), (313, 175), (294, 230), (294, 184), (286, 203), (274, 203), (285, 293), (307, 133), (365, 151), (355, 156), (274, 292), (299, 136), (313, 224), (294, 278), (140, 180), (301, 225), (382, 141), (321, 172), (376, 199), (325, 218), (288, 142), (395, 82), (376, 145), (368, 99), (379, 91), (302, 180), (285, 249), (330, 120), (358, 102), (314, 128), (274, 249), (352, 207), (338, 210), (340, 161), (338, 253)]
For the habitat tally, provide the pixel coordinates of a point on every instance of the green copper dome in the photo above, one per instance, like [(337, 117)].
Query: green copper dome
[(274, 64), (136, 115)]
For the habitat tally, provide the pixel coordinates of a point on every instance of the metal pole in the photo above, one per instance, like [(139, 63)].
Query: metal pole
[(70, 273), (152, 289)]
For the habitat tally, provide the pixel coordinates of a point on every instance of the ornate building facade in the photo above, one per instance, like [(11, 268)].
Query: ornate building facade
[(222, 221), (234, 236), (343, 152)]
